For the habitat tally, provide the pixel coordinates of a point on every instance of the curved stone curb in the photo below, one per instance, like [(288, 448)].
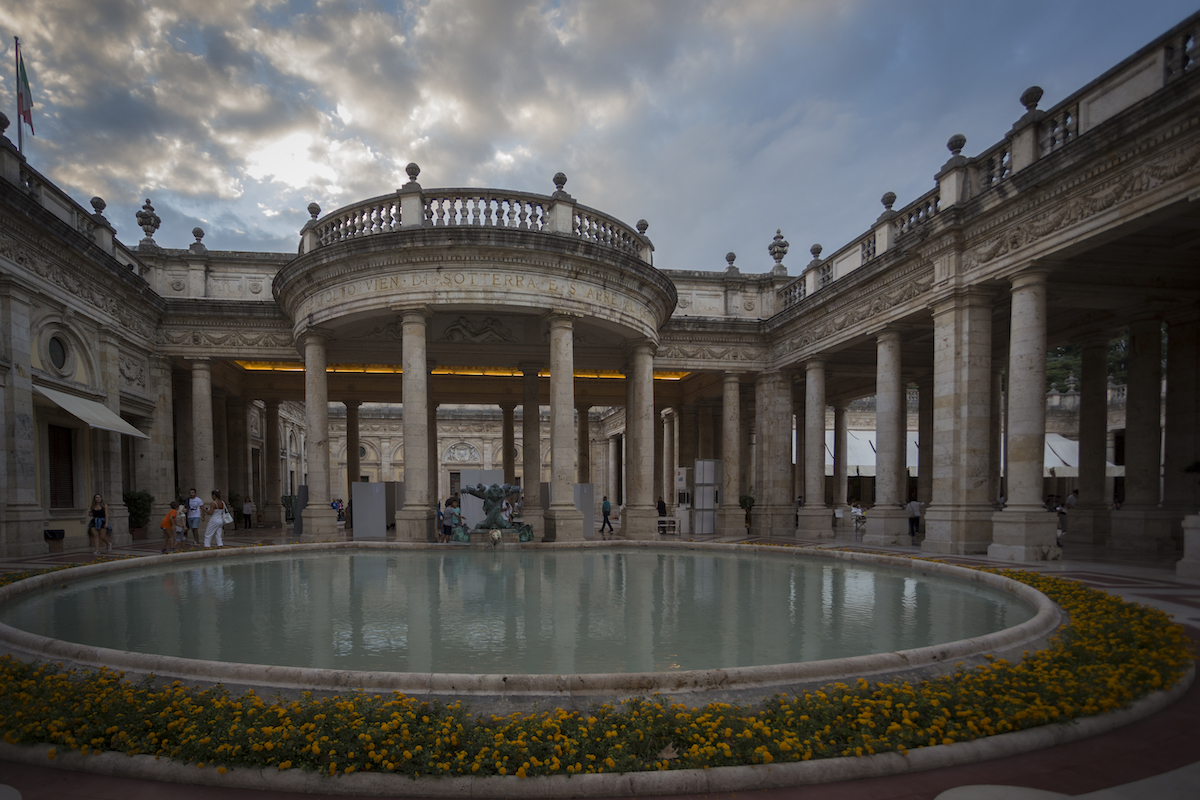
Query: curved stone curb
[(685, 781), (549, 688)]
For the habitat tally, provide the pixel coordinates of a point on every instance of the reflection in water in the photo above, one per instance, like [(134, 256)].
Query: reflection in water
[(509, 611)]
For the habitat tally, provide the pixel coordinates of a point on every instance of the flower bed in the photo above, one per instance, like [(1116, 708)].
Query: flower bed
[(1110, 654)]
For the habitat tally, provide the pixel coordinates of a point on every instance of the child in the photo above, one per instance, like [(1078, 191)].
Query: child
[(169, 524)]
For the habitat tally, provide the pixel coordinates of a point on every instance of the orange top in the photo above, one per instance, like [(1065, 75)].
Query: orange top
[(168, 521)]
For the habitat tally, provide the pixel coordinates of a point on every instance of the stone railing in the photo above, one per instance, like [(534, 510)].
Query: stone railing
[(412, 207), (91, 224), (1036, 135)]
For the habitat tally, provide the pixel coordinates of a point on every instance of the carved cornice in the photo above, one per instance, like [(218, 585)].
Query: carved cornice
[(121, 309), (225, 338), (1090, 201)]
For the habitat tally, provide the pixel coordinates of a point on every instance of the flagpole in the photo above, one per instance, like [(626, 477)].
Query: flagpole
[(17, 68)]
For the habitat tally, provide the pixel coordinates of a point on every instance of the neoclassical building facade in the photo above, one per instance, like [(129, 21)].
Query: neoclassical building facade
[(416, 332)]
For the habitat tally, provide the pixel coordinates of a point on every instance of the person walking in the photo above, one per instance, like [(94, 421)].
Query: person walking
[(247, 513), (194, 508), (605, 510), (662, 516), (98, 528), (216, 521), (914, 517)]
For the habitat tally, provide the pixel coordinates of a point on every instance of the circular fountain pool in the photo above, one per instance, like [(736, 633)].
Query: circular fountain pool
[(535, 621)]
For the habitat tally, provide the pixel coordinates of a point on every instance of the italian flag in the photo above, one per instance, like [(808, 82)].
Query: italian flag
[(24, 95)]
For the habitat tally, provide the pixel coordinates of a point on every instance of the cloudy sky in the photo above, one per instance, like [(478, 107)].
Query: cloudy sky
[(717, 121)]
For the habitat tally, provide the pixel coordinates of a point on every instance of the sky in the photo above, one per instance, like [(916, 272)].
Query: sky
[(718, 121)]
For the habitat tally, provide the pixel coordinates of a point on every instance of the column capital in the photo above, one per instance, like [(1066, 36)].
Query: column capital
[(508, 406), (583, 407), (528, 367), (814, 365), (888, 335), (632, 348), (315, 334), (352, 403), (412, 313), (559, 318), (1032, 276)]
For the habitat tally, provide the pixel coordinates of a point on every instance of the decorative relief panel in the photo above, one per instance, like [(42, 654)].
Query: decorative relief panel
[(223, 338), (133, 372), (462, 453), (486, 330), (860, 312)]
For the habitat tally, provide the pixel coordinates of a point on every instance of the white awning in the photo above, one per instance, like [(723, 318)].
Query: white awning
[(90, 412)]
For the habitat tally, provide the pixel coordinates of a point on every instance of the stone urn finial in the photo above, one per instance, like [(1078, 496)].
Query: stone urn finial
[(198, 246), (98, 204), (956, 143), (4, 123), (642, 226), (778, 248), (149, 222), (730, 258), (314, 210), (1030, 98), (198, 233), (560, 180), (888, 200), (816, 251), (412, 170)]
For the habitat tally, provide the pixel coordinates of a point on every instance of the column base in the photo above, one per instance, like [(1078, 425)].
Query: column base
[(1141, 529), (320, 523), (815, 522), (1024, 536), (1088, 526), (274, 516), (1188, 567), (21, 531), (639, 522), (413, 524), (887, 526), (731, 521), (773, 520), (957, 530), (565, 524), (535, 518)]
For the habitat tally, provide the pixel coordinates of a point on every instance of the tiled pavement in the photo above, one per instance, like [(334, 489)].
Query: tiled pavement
[(1162, 752)]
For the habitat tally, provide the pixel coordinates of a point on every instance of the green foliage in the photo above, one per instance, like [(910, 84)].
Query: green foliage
[(139, 505)]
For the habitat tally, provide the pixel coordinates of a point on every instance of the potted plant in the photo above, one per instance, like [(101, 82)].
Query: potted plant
[(746, 501), (139, 505)]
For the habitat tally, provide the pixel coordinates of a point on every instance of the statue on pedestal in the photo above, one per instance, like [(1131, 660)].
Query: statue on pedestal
[(493, 508)]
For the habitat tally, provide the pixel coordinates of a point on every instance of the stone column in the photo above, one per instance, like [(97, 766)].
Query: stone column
[(155, 467), (107, 444), (584, 445), (185, 438), (888, 521), (614, 458), (996, 432), (202, 429), (220, 445), (414, 522), (731, 521), (656, 476), (434, 451), (1182, 438), (705, 446), (238, 447), (1088, 523), (531, 447), (353, 464), (273, 512), (1024, 530), (669, 419), (563, 520), (640, 520), (959, 519), (844, 526), (815, 518), (798, 413), (1141, 524), (925, 440), (320, 521), (773, 513), (508, 442)]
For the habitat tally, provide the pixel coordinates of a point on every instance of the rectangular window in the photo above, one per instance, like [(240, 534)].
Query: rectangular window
[(62, 468)]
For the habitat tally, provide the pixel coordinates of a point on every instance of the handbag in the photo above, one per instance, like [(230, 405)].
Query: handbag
[(226, 517)]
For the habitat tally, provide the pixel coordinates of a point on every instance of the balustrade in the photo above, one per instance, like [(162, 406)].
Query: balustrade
[(1058, 129), (1180, 55), (794, 292), (917, 213), (994, 166), (473, 207), (602, 229)]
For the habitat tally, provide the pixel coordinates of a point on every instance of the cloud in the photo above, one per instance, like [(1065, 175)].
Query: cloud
[(718, 121)]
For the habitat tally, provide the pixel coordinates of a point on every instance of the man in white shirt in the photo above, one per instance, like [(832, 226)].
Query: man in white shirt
[(194, 504)]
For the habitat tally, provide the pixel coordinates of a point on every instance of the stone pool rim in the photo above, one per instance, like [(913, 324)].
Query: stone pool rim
[(1029, 635)]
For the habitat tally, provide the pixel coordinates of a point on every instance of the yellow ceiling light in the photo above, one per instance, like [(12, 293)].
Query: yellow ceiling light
[(469, 372)]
